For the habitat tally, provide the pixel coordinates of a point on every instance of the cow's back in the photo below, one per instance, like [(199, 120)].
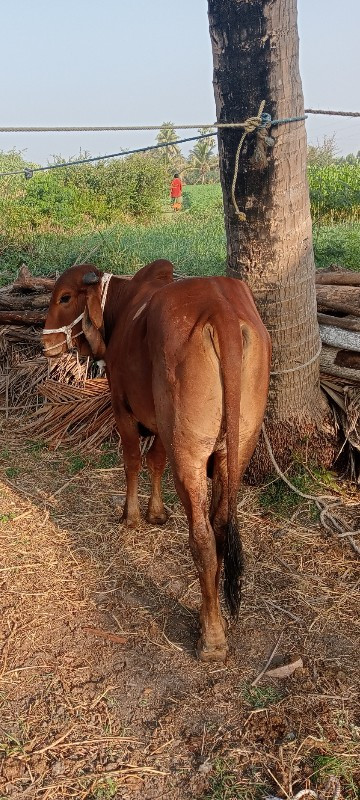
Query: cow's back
[(196, 329)]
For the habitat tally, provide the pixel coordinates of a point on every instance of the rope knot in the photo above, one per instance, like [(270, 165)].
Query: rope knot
[(260, 123)]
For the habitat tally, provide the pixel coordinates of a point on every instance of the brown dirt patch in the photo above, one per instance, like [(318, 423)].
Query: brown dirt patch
[(134, 714)]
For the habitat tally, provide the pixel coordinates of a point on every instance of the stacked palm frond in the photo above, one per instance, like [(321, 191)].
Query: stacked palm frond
[(338, 302), (77, 416), (23, 367)]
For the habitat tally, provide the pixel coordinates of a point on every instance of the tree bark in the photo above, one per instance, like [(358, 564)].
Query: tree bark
[(256, 57), (339, 337), (341, 363), (345, 299), (330, 278), (22, 317), (347, 323), (19, 302)]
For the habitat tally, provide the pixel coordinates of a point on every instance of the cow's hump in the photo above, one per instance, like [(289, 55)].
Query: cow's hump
[(159, 270)]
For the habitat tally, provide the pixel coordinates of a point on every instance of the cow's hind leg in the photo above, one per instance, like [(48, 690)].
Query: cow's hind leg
[(156, 460), (130, 441), (192, 489)]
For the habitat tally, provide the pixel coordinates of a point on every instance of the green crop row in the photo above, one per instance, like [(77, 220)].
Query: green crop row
[(335, 192)]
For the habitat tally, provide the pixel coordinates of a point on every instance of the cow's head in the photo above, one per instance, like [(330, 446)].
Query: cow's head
[(75, 318)]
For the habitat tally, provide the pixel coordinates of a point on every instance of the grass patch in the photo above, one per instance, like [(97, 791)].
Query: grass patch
[(261, 696), (108, 459), (35, 448), (223, 783), (105, 791), (10, 746), (6, 517), (75, 464), (277, 498), (194, 240), (325, 765), (337, 244), (12, 472)]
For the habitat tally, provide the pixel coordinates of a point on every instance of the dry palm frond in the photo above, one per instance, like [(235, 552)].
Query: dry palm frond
[(23, 367), (77, 416), (345, 402)]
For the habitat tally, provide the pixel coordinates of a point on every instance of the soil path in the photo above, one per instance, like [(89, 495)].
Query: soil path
[(101, 692)]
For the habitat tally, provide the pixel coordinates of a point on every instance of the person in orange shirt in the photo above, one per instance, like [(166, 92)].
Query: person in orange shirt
[(176, 192)]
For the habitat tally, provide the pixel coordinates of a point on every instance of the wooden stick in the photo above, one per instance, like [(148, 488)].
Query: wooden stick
[(260, 675), (341, 338), (112, 637)]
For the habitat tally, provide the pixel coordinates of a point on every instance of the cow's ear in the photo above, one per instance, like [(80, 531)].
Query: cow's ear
[(93, 334), (93, 305)]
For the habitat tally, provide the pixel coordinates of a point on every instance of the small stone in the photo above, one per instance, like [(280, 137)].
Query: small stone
[(58, 768), (205, 767)]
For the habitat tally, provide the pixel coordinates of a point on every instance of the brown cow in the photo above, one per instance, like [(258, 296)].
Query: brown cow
[(189, 362)]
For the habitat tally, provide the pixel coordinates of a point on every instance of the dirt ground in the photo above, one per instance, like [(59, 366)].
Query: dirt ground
[(101, 693)]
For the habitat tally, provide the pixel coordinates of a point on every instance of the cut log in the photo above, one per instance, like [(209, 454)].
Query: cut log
[(337, 337), (22, 302), (347, 322), (25, 280), (347, 358), (338, 298), (328, 365), (346, 278), (22, 317)]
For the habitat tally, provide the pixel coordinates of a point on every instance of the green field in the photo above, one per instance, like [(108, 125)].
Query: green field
[(194, 239)]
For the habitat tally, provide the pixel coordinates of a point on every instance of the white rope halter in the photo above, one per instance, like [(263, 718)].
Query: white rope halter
[(66, 329)]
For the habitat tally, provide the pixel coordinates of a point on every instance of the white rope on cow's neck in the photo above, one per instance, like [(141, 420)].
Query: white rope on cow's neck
[(105, 280)]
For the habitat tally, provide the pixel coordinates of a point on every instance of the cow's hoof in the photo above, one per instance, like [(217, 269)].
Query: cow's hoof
[(131, 522), (212, 652), (157, 519)]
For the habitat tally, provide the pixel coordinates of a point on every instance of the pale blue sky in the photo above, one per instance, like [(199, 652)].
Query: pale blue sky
[(118, 62)]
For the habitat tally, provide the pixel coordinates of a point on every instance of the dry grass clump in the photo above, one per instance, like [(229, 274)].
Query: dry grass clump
[(101, 692)]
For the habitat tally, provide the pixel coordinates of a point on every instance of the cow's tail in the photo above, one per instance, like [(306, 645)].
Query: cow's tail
[(231, 356)]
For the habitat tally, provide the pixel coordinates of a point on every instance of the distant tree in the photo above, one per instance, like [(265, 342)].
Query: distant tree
[(351, 158), (203, 164), (324, 153), (171, 156)]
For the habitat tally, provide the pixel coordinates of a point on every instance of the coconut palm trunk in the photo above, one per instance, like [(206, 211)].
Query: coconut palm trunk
[(256, 57)]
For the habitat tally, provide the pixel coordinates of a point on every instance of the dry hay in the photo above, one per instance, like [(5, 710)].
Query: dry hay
[(102, 694)]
